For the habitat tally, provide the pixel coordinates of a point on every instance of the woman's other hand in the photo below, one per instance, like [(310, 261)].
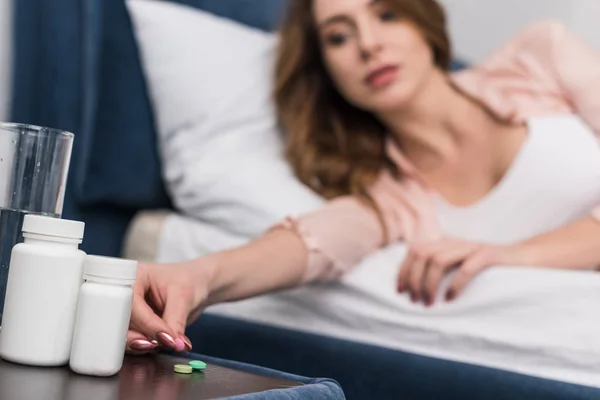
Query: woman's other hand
[(426, 265)]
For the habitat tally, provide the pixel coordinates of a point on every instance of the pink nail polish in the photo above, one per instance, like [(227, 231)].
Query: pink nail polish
[(166, 339), (187, 343), (142, 345), (179, 345)]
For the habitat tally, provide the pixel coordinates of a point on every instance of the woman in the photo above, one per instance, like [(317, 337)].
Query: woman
[(454, 166)]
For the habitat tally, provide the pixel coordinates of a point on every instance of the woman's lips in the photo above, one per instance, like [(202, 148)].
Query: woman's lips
[(382, 76)]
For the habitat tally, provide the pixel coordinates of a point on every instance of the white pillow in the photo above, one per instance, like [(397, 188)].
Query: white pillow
[(210, 82)]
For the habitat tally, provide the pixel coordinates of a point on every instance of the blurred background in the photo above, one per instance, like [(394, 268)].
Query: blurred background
[(479, 26), (470, 21)]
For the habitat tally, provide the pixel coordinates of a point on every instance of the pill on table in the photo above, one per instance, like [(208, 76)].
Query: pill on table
[(183, 369), (197, 364)]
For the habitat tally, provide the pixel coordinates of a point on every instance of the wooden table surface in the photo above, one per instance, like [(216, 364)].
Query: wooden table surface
[(141, 378)]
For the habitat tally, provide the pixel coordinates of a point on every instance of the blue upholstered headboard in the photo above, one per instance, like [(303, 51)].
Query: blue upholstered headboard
[(77, 68)]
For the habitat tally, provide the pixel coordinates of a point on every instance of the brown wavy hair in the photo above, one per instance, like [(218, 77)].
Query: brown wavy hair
[(335, 148)]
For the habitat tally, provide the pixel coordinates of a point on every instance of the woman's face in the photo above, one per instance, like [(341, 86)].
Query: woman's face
[(377, 59)]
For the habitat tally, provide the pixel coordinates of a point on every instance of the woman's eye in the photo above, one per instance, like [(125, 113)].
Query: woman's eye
[(388, 16), (336, 39)]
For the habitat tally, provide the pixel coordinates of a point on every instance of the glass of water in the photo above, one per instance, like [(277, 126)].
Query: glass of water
[(34, 163)]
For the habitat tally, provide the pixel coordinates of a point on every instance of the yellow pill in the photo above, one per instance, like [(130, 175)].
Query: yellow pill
[(183, 369)]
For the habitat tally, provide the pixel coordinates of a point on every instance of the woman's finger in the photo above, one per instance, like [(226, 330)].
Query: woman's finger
[(176, 314), (406, 269), (404, 272), (138, 343), (145, 321), (417, 273), (440, 264), (466, 272)]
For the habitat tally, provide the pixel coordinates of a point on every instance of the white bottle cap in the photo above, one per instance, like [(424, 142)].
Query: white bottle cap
[(51, 226), (98, 268)]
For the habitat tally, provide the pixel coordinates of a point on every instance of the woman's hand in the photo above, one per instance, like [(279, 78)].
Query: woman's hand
[(169, 296), (166, 297), (426, 265)]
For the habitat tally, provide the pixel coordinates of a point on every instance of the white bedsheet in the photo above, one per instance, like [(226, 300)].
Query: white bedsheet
[(537, 322)]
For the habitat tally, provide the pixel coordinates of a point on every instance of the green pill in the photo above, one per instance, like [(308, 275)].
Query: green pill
[(197, 365)]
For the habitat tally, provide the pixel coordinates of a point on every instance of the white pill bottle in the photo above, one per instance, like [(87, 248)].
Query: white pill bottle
[(44, 280), (103, 316)]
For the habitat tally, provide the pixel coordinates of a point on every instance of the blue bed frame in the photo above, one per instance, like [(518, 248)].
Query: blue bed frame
[(370, 372)]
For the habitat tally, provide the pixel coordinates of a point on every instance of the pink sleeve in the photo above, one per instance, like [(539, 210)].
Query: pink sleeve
[(344, 231), (577, 67), (544, 70)]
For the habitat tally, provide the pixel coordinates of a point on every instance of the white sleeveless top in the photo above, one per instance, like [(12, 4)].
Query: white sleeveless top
[(554, 179)]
